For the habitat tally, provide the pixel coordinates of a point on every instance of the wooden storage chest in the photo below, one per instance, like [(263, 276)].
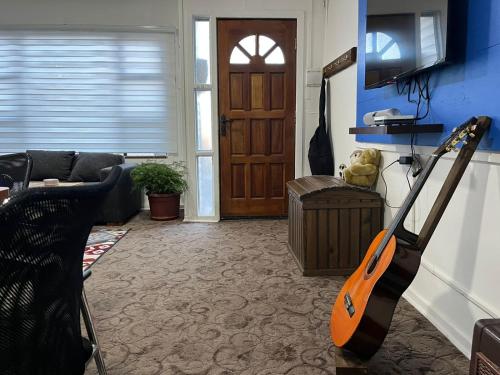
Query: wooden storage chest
[(331, 224)]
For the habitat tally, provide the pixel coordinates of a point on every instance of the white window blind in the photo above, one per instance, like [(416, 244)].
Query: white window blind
[(88, 91)]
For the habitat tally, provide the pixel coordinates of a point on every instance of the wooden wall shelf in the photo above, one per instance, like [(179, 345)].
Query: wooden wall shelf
[(397, 129)]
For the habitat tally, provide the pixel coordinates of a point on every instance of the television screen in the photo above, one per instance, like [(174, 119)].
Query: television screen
[(404, 37)]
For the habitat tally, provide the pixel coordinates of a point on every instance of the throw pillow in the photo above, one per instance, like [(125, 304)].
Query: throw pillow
[(51, 164), (88, 165)]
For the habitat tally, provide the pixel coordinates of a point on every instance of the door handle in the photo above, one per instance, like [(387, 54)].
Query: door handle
[(222, 124)]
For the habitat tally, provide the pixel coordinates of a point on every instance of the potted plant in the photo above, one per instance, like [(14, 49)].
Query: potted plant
[(163, 184)]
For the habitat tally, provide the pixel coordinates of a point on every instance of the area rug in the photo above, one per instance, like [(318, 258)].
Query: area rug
[(99, 243)]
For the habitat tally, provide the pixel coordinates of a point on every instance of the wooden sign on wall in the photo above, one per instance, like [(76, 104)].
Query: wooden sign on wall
[(340, 63)]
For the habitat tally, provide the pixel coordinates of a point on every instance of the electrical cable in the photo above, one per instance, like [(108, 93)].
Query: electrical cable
[(407, 178), (419, 86), (424, 94), (401, 91), (385, 183), (416, 85), (412, 86)]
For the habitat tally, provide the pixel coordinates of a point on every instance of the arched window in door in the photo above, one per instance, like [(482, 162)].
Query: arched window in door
[(261, 45)]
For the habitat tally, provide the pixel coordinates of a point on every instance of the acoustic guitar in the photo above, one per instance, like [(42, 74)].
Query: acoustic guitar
[(362, 313)]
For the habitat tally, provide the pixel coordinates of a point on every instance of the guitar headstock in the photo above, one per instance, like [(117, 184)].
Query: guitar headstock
[(461, 134)]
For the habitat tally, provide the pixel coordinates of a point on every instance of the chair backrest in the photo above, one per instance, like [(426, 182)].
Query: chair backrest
[(43, 233), (15, 170)]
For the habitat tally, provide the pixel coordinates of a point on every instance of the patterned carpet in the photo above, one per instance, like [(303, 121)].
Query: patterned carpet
[(226, 298)]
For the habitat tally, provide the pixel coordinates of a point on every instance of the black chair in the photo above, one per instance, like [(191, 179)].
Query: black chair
[(15, 171), (43, 233)]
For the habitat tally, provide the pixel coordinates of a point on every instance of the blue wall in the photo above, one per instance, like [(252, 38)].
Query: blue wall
[(458, 91)]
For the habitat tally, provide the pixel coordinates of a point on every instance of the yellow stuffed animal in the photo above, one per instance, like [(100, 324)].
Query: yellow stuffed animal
[(363, 170)]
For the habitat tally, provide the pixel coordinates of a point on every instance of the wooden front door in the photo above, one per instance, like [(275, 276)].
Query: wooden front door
[(257, 115)]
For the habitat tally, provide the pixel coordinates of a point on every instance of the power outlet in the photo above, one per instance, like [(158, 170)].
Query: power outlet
[(405, 160)]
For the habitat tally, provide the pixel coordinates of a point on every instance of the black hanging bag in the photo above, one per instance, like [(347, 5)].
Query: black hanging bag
[(320, 148)]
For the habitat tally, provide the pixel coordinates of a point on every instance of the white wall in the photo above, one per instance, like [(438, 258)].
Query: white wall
[(89, 12), (311, 94), (459, 279)]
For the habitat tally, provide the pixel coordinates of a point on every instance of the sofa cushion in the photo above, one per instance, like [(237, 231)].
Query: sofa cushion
[(51, 164), (88, 165)]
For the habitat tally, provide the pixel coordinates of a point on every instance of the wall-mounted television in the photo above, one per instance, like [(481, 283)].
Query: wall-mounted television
[(406, 37)]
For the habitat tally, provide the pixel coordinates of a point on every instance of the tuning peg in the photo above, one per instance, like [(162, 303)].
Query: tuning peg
[(465, 142), (472, 135), (454, 130)]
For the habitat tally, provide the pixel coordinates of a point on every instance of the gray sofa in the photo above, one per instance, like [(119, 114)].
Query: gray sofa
[(70, 167)]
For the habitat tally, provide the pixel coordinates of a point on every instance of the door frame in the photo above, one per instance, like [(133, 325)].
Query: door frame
[(189, 11)]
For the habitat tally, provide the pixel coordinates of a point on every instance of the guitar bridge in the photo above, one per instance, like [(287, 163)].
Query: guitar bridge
[(349, 306)]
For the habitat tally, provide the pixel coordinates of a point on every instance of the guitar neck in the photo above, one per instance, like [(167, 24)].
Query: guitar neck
[(413, 194), (450, 184), (442, 200), (405, 208)]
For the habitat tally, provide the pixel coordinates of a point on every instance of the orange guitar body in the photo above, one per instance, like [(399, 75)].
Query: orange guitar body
[(373, 292), (360, 285)]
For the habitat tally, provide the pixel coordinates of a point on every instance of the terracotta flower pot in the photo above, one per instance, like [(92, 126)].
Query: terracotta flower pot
[(164, 206)]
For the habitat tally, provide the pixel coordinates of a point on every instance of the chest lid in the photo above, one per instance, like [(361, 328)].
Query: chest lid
[(325, 187)]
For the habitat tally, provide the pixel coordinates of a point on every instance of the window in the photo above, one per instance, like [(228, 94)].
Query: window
[(248, 46), (203, 119), (202, 52), (88, 91)]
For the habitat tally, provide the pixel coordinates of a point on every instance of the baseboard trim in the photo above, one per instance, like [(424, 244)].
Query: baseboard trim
[(461, 341), (202, 220), (452, 284)]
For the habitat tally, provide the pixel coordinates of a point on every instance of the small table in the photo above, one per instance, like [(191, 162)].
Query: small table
[(39, 184)]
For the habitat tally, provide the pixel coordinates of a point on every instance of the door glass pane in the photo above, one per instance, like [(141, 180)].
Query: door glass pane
[(202, 51), (275, 57), (205, 186), (203, 121), (265, 44), (238, 57), (248, 44)]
